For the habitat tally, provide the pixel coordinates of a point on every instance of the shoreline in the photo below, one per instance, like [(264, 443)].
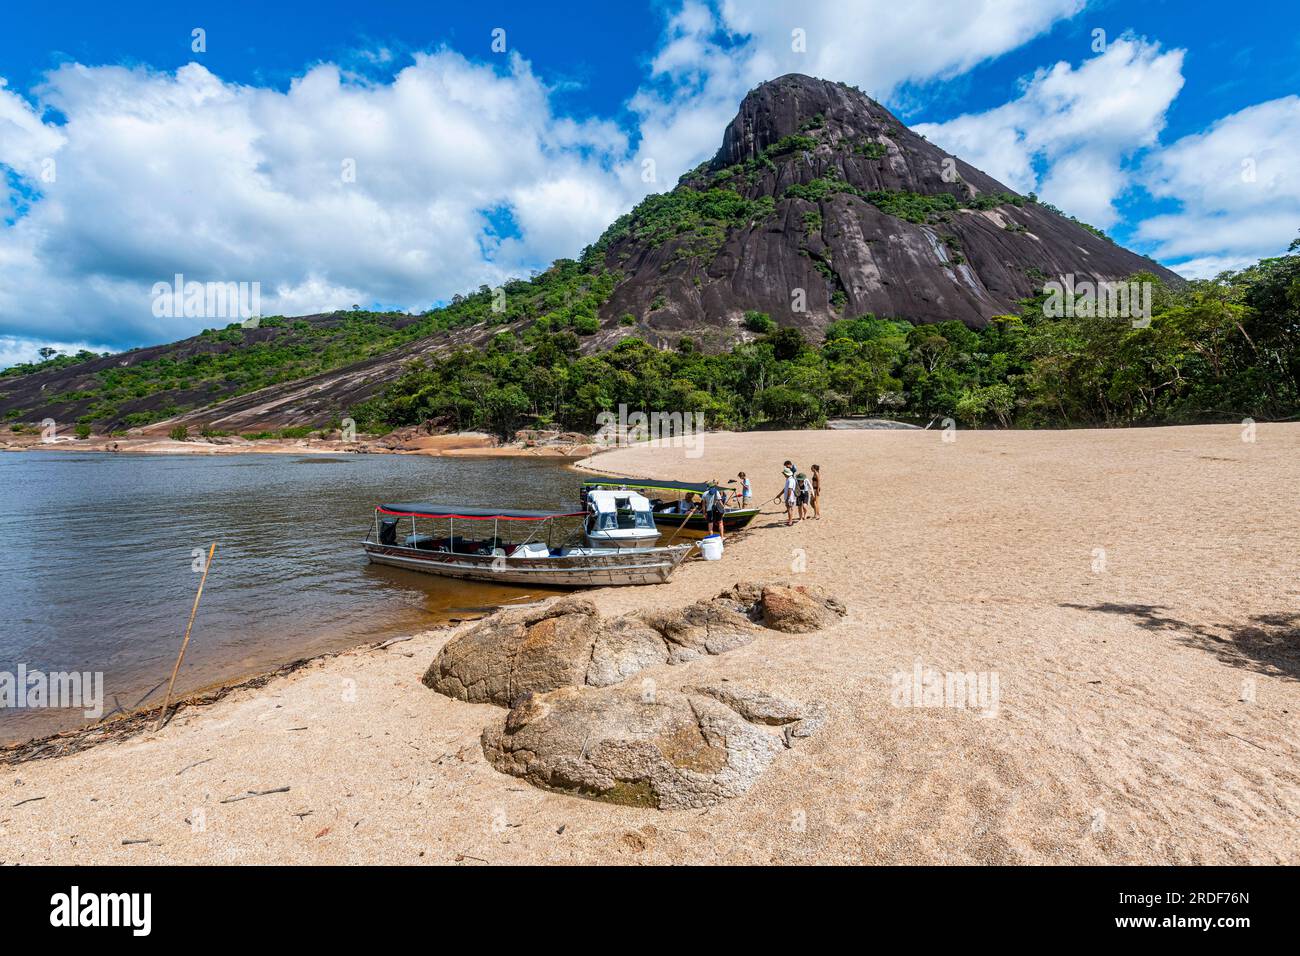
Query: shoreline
[(434, 446), (133, 687), (108, 729), (140, 720), (1122, 735)]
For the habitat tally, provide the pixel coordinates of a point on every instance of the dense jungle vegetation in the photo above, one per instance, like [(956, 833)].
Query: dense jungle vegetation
[(1216, 350)]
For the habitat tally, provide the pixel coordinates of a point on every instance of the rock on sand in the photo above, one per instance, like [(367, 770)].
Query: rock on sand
[(567, 643), (668, 749)]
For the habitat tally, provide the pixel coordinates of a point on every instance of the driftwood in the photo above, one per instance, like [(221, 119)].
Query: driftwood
[(132, 723), (254, 793), (207, 565), (136, 722)]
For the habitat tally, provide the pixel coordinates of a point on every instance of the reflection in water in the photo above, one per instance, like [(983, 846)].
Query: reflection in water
[(96, 555)]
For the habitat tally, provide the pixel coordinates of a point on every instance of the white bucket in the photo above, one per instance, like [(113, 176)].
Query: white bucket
[(711, 547)]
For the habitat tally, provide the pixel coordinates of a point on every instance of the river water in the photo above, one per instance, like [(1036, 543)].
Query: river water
[(97, 558)]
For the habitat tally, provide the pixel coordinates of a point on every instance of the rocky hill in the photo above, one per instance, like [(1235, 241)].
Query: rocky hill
[(820, 205), (282, 373), (819, 188)]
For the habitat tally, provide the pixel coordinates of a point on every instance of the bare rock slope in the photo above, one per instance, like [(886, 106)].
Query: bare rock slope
[(833, 178)]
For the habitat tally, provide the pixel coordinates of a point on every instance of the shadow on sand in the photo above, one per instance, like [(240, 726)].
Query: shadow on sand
[(1264, 643)]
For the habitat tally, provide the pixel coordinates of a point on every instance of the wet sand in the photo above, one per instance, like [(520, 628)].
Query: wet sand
[(1135, 593)]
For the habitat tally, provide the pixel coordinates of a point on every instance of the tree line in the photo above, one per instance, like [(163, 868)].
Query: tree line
[(1214, 350)]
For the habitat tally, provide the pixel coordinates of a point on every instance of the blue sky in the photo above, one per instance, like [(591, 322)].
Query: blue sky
[(128, 157)]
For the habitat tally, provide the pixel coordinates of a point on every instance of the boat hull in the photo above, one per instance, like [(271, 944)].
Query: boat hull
[(632, 542), (628, 566), (668, 522)]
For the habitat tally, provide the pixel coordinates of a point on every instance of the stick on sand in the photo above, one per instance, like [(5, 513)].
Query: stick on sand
[(681, 526), (162, 714)]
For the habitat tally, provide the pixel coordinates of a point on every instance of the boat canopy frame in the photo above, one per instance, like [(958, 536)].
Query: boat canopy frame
[(422, 510), (694, 487), (434, 512)]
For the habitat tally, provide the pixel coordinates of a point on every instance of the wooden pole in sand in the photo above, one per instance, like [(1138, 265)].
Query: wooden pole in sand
[(681, 526), (162, 714)]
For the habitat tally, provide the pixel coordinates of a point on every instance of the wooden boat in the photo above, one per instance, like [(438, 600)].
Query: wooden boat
[(492, 558), (670, 503)]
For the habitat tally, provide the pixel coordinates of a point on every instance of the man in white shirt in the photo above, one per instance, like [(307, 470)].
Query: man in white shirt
[(789, 494)]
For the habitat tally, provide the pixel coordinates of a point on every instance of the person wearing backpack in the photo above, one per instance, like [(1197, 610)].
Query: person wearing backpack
[(714, 509), (803, 494)]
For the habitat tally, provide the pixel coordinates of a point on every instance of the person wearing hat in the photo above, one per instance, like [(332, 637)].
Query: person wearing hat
[(788, 495), (714, 506)]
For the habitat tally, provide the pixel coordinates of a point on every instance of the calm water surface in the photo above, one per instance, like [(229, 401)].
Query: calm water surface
[(96, 555)]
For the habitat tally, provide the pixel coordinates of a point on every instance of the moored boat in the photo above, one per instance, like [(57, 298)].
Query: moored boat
[(493, 558), (674, 504), (619, 519)]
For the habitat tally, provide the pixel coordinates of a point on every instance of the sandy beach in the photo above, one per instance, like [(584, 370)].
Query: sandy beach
[(1135, 592)]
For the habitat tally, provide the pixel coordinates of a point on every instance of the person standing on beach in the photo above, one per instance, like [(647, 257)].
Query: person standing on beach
[(746, 491), (788, 495), (714, 509), (803, 494), (817, 490)]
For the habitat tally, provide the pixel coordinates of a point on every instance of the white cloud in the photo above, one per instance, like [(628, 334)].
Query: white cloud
[(1239, 189), (1206, 267), (162, 173), (712, 56), (14, 349), (26, 146), (24, 140), (1079, 124), (880, 44)]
